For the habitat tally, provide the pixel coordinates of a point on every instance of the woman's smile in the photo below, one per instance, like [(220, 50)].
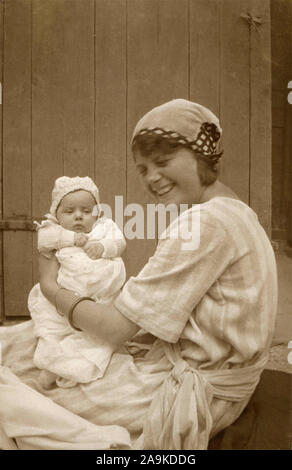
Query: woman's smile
[(164, 190)]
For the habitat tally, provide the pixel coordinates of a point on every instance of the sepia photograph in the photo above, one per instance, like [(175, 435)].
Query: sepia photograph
[(145, 228)]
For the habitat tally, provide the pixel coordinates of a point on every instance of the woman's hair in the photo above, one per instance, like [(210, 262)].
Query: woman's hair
[(146, 145)]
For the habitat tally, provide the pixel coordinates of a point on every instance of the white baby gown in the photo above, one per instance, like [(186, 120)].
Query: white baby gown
[(72, 355)]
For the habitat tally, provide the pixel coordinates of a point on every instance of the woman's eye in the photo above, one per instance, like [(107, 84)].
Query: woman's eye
[(141, 171), (162, 163)]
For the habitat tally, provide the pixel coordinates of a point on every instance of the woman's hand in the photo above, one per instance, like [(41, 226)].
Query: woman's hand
[(48, 271)]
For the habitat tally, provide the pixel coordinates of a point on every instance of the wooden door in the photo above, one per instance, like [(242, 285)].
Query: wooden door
[(77, 75)]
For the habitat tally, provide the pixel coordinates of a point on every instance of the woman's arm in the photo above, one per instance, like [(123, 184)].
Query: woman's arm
[(102, 321)]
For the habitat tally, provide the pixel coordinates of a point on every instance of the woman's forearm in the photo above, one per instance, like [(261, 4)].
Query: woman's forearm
[(48, 272), (102, 321)]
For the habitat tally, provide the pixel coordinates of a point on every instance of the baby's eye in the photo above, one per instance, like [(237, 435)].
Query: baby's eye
[(68, 211), (87, 211)]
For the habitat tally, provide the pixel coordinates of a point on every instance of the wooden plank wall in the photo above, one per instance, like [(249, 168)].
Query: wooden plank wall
[(260, 139), (17, 169), (234, 97), (62, 96), (157, 71), (78, 75)]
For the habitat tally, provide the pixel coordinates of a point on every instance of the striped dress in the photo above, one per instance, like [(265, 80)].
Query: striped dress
[(206, 303)]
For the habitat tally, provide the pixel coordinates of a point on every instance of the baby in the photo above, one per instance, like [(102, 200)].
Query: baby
[(88, 248)]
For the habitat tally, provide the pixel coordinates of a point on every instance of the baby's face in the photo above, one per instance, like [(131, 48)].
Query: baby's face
[(75, 211)]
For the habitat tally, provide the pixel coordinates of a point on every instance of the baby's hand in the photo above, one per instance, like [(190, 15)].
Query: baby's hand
[(94, 249), (80, 239)]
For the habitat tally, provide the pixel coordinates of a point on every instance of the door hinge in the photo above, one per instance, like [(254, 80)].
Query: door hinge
[(26, 225)]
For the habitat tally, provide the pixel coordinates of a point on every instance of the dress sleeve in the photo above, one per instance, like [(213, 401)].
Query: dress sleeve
[(161, 298)]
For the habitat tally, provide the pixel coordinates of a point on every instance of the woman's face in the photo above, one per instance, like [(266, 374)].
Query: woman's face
[(172, 178), (75, 211)]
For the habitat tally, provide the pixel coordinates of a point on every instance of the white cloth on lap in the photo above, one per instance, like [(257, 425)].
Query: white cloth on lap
[(42, 424), (67, 353)]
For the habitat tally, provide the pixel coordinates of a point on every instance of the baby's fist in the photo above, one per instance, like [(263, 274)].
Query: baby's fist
[(80, 239), (94, 249)]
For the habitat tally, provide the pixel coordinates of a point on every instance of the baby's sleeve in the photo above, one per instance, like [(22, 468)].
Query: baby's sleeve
[(53, 237), (112, 239)]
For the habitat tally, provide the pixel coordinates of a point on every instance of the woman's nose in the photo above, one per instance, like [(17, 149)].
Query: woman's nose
[(153, 175)]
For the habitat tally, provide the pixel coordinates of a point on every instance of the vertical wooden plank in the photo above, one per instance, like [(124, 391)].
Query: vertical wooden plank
[(142, 96), (278, 150), (78, 81), (260, 115), (47, 107), (111, 103), (281, 63), (158, 71), (234, 95), (280, 16), (62, 96), (172, 49), (1, 157), (289, 141), (17, 153), (48, 63), (288, 165), (205, 53)]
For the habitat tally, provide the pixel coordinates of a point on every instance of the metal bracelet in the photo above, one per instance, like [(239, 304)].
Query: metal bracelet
[(71, 311)]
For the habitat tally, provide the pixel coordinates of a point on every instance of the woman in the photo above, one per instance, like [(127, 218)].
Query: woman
[(190, 334)]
